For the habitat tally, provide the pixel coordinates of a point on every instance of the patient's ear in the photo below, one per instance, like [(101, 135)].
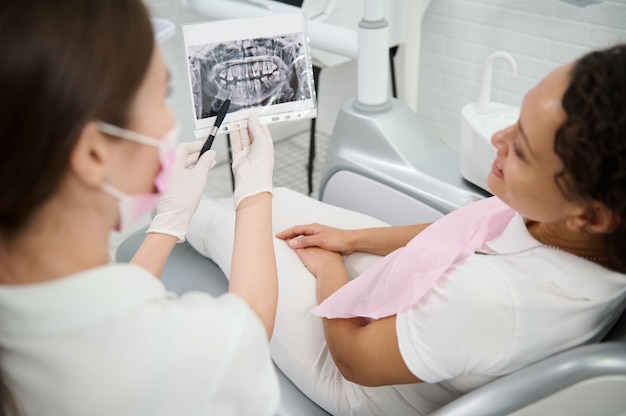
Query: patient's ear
[(596, 218), (88, 157)]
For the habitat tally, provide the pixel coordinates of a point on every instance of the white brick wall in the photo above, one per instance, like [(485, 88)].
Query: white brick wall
[(457, 36)]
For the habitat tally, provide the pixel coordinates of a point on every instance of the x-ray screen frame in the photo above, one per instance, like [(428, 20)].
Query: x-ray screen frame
[(269, 56)]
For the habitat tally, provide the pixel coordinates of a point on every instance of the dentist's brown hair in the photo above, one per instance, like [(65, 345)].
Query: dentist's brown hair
[(63, 63)]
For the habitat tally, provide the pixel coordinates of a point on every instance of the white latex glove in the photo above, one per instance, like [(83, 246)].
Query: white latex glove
[(253, 160), (184, 190)]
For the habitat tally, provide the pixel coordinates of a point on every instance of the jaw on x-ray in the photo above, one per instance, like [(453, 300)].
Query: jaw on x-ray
[(253, 72)]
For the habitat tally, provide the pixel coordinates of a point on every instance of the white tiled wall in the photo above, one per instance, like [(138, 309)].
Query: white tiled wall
[(458, 35)]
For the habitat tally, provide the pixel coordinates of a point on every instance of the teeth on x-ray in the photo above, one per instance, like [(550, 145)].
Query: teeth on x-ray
[(253, 72), (250, 80)]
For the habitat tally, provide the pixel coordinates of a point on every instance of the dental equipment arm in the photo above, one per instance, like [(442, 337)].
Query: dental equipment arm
[(365, 353), (381, 241), (323, 36), (176, 207), (253, 274)]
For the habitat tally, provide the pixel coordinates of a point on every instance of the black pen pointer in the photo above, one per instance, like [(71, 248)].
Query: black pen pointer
[(218, 122)]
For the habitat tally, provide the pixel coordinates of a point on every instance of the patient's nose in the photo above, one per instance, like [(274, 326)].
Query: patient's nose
[(501, 138)]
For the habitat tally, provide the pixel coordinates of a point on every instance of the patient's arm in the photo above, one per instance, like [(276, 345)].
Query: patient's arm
[(367, 354), (380, 241)]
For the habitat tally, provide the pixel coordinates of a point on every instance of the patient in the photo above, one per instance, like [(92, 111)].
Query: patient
[(533, 271)]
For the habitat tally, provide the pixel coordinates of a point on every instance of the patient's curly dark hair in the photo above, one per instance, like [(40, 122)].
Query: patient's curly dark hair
[(592, 141)]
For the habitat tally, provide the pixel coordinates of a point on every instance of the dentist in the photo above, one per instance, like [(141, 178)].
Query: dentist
[(87, 145)]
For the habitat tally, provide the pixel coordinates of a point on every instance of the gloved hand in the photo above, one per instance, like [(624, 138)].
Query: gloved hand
[(253, 160), (185, 188)]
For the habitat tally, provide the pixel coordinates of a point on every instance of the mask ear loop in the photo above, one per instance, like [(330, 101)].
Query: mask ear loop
[(127, 134), (114, 192)]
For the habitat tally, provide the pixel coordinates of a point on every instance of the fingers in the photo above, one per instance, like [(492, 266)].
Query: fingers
[(236, 138), (303, 236), (254, 125), (305, 242), (207, 160), (301, 242), (266, 133), (191, 159), (190, 151), (258, 131), (298, 230), (240, 138), (183, 150), (243, 138)]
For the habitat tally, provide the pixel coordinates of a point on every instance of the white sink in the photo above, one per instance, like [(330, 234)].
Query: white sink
[(477, 152)]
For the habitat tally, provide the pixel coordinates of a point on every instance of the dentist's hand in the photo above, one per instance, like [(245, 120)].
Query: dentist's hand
[(184, 190), (253, 160)]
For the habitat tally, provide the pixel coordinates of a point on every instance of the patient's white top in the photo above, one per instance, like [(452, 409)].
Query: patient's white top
[(492, 315), (112, 341)]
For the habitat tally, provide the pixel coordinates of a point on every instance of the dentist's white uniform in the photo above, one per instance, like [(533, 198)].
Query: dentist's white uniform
[(112, 341)]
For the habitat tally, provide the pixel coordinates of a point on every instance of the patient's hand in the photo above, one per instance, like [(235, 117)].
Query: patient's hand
[(320, 262), (318, 235)]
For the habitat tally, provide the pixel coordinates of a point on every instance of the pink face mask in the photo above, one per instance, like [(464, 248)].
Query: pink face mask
[(133, 207)]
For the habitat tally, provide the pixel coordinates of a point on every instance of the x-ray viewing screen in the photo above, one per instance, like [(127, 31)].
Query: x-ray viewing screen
[(262, 64)]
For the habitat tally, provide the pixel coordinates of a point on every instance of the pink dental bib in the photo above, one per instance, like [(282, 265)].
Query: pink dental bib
[(400, 279)]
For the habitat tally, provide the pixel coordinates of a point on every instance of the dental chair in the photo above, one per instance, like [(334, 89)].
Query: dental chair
[(585, 380)]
